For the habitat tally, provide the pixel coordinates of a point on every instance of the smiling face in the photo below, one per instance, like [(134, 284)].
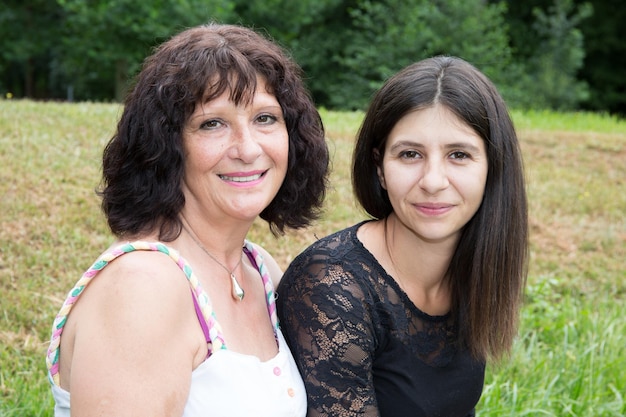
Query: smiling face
[(434, 169), (235, 156)]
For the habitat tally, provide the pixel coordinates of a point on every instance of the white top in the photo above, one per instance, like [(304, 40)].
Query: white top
[(227, 383), (230, 384)]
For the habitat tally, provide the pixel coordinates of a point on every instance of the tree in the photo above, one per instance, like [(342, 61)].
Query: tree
[(105, 41), (349, 47), (559, 56), (392, 34), (540, 53), (605, 57), (29, 33), (548, 49), (314, 31)]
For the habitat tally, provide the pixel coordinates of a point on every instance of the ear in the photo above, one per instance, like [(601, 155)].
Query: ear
[(379, 168)]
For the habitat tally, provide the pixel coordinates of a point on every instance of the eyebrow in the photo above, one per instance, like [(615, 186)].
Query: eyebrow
[(259, 106), (463, 145)]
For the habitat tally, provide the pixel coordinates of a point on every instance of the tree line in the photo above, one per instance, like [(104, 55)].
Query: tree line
[(542, 54)]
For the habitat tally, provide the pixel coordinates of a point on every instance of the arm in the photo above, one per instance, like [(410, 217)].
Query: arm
[(328, 325), (136, 340)]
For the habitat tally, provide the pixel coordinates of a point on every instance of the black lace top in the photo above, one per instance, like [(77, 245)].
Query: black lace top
[(363, 348)]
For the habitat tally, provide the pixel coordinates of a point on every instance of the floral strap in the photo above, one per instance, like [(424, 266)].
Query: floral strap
[(257, 259), (215, 332)]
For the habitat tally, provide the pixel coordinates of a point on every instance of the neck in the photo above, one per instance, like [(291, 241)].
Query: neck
[(226, 248), (222, 237), (237, 291), (422, 265)]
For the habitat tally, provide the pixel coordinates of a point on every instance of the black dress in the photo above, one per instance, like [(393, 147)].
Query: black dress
[(363, 348)]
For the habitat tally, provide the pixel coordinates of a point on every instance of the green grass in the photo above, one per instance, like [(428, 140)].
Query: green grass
[(569, 359), (571, 122)]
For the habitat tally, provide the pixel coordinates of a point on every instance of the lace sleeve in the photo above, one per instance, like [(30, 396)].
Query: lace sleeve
[(327, 321)]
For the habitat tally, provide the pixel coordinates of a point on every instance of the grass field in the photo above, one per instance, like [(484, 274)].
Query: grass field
[(569, 360)]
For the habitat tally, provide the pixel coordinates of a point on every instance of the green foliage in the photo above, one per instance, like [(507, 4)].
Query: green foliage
[(365, 42), (315, 31), (605, 57), (88, 49), (550, 74), (29, 32), (551, 54), (121, 33)]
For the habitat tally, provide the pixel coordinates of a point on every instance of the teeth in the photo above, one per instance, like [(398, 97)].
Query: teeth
[(241, 179)]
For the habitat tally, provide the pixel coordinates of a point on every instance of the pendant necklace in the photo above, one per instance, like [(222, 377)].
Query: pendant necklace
[(237, 291)]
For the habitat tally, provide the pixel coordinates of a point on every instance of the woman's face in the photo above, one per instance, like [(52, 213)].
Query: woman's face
[(235, 156), (434, 170)]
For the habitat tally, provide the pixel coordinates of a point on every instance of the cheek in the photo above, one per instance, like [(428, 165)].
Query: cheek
[(400, 182), (280, 151), (473, 186)]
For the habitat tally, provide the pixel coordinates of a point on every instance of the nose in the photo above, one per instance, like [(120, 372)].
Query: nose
[(434, 177), (245, 146)]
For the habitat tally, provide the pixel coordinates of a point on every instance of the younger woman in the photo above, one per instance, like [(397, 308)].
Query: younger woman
[(397, 316)]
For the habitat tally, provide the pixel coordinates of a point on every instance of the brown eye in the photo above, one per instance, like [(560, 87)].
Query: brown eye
[(266, 119), (459, 155), (409, 154), (210, 124)]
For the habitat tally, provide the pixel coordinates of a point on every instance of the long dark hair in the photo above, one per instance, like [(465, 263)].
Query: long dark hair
[(143, 164), (488, 270)]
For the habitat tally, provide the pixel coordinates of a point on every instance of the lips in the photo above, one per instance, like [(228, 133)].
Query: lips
[(242, 177), (434, 209)]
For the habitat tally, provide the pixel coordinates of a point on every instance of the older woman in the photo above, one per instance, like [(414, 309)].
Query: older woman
[(178, 317), (398, 315)]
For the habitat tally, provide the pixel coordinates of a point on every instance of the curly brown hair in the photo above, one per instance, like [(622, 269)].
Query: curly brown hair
[(143, 163)]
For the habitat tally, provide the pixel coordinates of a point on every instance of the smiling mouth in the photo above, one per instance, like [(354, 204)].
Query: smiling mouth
[(242, 179), (434, 209), (434, 206)]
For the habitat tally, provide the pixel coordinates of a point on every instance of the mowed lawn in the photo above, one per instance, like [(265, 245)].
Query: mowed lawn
[(569, 360)]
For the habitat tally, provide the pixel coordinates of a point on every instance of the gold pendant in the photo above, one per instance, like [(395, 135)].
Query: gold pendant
[(238, 292)]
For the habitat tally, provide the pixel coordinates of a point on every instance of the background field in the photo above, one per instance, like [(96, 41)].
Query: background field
[(570, 359)]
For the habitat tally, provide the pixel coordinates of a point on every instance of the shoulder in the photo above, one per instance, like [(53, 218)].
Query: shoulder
[(137, 311), (141, 258), (138, 273), (333, 245), (340, 249), (333, 265), (141, 292), (328, 282)]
